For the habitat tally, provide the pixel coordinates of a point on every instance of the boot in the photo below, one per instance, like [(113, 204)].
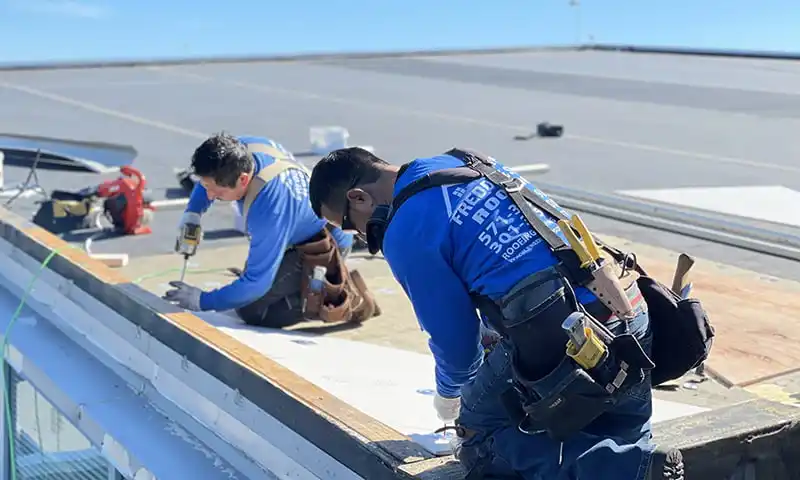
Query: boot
[(666, 464)]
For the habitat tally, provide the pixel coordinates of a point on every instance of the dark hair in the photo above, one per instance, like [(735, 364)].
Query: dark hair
[(338, 172), (223, 158)]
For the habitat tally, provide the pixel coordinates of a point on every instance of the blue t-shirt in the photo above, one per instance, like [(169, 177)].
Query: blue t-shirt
[(280, 216), (448, 241)]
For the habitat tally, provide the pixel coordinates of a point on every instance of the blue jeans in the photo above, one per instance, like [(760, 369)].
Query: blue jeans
[(615, 446)]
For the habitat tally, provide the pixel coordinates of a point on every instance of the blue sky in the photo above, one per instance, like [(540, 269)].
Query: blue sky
[(43, 30)]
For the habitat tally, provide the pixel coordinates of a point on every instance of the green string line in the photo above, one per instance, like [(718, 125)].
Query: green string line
[(177, 270), (12, 457)]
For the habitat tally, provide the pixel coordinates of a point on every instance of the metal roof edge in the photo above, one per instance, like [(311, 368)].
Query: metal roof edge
[(704, 52), (360, 442)]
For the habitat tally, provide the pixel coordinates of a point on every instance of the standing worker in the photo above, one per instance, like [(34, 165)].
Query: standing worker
[(295, 267), (552, 400)]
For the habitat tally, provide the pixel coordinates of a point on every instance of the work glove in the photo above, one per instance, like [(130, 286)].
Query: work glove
[(188, 217), (186, 296), (447, 409)]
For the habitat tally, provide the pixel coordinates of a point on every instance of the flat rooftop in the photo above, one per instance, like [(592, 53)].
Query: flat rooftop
[(651, 125), (647, 122)]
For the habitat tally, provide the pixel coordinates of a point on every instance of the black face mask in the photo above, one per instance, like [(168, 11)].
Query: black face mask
[(378, 222), (376, 228)]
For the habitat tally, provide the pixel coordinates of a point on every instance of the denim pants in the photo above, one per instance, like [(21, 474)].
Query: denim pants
[(615, 446)]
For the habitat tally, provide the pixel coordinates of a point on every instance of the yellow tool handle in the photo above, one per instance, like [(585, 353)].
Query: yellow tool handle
[(577, 246), (586, 236), (590, 353)]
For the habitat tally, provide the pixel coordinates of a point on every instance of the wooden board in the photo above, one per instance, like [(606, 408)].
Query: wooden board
[(752, 313)]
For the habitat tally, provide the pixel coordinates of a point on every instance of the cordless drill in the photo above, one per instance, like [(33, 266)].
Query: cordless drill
[(188, 242)]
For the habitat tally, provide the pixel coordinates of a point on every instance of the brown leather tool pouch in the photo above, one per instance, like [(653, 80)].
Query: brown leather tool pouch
[(609, 289), (344, 296)]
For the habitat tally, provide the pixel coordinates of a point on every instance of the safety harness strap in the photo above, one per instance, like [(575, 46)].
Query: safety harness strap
[(477, 167), (525, 199), (282, 162), (447, 176), (515, 189)]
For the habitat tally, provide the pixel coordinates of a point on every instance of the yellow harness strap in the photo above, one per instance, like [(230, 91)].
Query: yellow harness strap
[(282, 163)]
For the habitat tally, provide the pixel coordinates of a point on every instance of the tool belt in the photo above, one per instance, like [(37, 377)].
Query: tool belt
[(344, 296), (682, 332)]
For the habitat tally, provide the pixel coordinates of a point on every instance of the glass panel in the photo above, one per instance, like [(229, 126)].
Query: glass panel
[(46, 445)]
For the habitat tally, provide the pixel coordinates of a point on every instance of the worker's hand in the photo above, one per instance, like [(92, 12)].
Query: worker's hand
[(186, 296), (447, 409), (188, 217)]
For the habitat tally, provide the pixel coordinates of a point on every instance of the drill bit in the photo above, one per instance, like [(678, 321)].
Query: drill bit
[(185, 265)]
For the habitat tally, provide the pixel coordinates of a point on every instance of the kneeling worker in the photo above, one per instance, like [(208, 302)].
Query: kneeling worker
[(295, 266), (459, 230)]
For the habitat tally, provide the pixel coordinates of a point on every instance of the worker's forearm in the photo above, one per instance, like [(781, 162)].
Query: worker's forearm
[(235, 295), (198, 200)]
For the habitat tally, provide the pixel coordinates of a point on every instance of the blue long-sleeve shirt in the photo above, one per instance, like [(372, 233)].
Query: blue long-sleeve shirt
[(446, 242), (280, 216)]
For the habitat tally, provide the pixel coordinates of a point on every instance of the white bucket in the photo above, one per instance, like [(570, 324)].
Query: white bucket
[(327, 139)]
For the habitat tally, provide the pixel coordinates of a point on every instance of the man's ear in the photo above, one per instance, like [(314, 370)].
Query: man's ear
[(357, 196), (244, 179)]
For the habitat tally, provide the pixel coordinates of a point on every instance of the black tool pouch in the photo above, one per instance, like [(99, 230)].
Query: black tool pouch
[(682, 333), (564, 402), (570, 398)]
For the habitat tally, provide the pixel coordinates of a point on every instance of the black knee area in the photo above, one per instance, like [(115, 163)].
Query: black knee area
[(252, 314)]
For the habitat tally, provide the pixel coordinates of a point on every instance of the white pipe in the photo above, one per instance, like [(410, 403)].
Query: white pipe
[(168, 203), (532, 168)]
